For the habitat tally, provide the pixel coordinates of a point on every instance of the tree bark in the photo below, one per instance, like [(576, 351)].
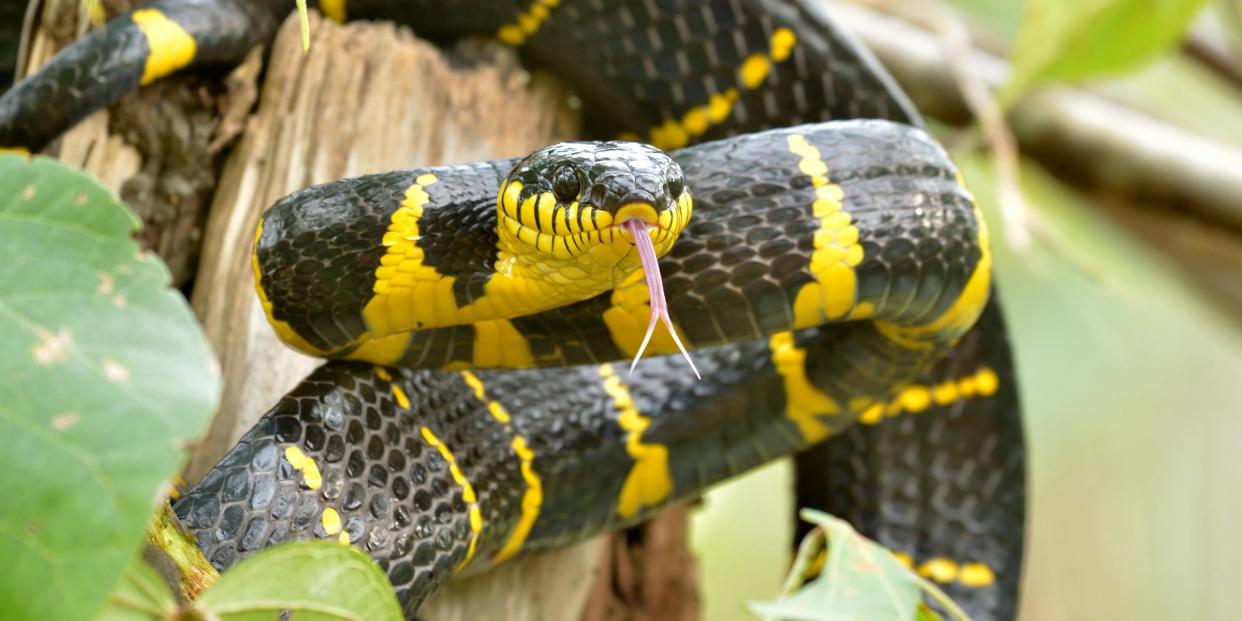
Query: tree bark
[(365, 98), (647, 574), (1070, 130), (369, 98)]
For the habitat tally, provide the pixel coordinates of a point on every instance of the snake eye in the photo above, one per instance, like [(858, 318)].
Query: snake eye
[(676, 184), (565, 184)]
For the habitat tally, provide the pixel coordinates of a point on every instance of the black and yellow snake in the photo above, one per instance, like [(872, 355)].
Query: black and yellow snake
[(834, 272)]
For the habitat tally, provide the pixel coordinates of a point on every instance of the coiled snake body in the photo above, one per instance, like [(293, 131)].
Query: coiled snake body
[(833, 273)]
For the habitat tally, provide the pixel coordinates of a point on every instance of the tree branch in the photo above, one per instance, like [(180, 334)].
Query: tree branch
[(1070, 130)]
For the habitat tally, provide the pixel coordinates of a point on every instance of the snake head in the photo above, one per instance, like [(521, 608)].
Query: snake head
[(595, 212), (568, 203)]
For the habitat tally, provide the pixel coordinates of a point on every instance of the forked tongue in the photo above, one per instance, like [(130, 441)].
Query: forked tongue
[(655, 291)]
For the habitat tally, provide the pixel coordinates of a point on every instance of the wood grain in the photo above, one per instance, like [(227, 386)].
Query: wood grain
[(368, 98)]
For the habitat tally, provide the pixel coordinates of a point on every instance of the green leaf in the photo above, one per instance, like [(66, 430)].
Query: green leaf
[(860, 580), (142, 595), (1078, 39), (998, 19), (104, 376), (316, 580)]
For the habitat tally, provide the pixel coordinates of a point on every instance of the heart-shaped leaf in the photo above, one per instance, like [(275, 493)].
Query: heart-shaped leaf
[(104, 376), (1078, 39), (859, 580)]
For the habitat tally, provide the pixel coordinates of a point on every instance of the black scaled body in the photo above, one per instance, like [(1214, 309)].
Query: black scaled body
[(599, 448), (670, 73)]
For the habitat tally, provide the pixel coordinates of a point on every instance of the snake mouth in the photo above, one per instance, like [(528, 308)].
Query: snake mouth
[(640, 212), (568, 231), (643, 211)]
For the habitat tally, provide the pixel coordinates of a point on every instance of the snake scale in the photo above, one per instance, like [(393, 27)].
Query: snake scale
[(833, 284)]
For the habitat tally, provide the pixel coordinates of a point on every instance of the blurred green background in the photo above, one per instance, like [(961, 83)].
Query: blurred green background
[(1126, 324)]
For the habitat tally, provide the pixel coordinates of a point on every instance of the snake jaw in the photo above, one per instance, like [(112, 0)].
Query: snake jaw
[(655, 289)]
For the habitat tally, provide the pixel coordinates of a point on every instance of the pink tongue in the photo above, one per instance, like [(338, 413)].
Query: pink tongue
[(655, 290)]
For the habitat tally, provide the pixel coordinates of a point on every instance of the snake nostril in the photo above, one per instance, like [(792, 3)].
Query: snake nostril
[(598, 193), (565, 184)]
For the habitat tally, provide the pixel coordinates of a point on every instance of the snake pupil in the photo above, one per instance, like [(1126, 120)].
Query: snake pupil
[(565, 184)]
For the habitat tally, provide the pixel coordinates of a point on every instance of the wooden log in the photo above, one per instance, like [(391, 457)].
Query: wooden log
[(368, 98), (648, 574)]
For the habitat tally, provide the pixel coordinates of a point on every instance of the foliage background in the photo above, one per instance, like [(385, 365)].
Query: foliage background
[(1130, 367)]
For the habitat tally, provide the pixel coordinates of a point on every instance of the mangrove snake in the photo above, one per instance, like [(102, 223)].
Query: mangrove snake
[(833, 272)]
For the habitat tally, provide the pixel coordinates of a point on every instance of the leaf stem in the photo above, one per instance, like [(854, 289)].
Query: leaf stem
[(196, 572), (941, 598), (121, 600), (144, 586)]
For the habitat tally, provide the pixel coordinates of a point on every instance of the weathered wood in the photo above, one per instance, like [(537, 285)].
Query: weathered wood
[(368, 98), (648, 574)]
